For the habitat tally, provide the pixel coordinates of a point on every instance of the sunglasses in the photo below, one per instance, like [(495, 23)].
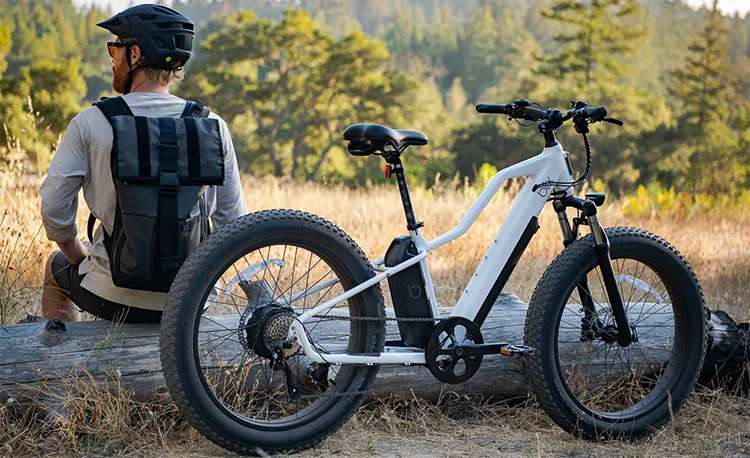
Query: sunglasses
[(112, 47)]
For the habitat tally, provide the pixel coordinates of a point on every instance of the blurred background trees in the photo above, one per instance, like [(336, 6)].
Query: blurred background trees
[(290, 75)]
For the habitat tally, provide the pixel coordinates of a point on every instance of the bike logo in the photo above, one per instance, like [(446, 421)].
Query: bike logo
[(415, 291)]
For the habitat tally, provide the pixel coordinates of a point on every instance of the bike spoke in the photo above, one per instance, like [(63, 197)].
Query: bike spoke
[(607, 377)]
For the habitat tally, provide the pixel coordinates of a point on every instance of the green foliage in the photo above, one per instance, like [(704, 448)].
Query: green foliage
[(706, 88), (290, 75), (484, 175), (657, 200), (705, 84), (299, 86), (5, 44), (596, 34), (55, 88), (51, 57), (35, 121)]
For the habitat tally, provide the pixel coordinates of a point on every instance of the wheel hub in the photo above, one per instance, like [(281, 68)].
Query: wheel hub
[(608, 333), (267, 329)]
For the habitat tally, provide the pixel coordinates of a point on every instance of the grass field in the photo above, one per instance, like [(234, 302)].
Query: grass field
[(715, 241)]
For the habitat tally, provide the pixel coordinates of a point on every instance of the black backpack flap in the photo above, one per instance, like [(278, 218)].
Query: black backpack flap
[(155, 235), (200, 154), (160, 167)]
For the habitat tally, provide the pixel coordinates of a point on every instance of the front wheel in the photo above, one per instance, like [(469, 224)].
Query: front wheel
[(589, 384)]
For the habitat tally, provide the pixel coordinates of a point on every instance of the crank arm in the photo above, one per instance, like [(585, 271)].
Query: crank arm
[(502, 348), (470, 349)]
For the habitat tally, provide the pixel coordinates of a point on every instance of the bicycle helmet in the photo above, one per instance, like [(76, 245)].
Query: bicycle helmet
[(164, 35)]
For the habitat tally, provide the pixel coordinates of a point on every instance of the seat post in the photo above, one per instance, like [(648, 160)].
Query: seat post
[(394, 159)]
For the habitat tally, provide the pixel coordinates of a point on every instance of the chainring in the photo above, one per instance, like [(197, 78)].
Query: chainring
[(443, 352)]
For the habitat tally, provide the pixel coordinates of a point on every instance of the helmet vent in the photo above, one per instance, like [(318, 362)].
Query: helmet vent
[(160, 43), (179, 42), (147, 17), (169, 25)]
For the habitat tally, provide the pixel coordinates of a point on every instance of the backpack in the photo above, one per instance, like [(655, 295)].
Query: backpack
[(161, 168)]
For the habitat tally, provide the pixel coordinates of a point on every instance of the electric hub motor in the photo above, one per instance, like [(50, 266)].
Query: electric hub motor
[(263, 331)]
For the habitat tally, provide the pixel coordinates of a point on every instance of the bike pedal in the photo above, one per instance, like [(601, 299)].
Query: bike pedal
[(517, 350)]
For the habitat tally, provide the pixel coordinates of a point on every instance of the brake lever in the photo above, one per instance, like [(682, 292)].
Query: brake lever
[(614, 121)]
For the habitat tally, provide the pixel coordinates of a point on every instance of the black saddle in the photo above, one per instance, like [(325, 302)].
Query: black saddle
[(366, 139)]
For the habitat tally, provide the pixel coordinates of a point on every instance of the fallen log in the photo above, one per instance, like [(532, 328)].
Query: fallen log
[(42, 354)]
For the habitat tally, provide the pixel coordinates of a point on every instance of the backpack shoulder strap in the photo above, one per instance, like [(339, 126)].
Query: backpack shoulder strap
[(114, 106), (195, 109), (90, 227), (110, 107), (192, 111)]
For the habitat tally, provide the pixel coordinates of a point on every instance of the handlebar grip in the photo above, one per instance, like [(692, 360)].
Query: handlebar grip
[(493, 109), (533, 114), (594, 112)]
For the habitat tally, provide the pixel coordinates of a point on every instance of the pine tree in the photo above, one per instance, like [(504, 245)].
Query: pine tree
[(478, 49), (596, 34), (456, 101), (705, 84)]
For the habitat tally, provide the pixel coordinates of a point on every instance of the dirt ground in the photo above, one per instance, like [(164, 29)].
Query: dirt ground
[(712, 424)]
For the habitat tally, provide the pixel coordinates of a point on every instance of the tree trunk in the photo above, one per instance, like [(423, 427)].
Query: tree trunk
[(36, 355)]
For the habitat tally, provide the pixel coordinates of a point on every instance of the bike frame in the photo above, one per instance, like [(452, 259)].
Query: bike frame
[(490, 276)]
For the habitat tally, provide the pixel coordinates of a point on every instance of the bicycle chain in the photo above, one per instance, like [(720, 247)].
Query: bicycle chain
[(377, 318), (364, 318)]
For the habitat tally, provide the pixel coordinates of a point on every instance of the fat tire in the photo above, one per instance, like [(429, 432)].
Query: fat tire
[(550, 295), (181, 309)]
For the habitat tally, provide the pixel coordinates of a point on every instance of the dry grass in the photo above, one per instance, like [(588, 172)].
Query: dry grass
[(100, 422), (110, 423)]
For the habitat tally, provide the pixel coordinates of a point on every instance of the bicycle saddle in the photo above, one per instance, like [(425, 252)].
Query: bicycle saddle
[(365, 139)]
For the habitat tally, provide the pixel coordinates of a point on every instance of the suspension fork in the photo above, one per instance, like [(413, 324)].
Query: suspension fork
[(591, 325), (601, 249)]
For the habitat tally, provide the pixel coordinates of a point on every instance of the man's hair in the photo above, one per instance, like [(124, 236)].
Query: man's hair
[(163, 76)]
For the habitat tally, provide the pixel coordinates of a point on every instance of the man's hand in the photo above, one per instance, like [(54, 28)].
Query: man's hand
[(75, 251)]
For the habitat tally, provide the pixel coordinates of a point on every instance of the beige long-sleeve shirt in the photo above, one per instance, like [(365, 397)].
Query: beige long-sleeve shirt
[(82, 161)]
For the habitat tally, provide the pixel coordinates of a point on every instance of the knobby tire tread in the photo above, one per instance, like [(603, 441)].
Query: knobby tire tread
[(559, 271), (182, 287)]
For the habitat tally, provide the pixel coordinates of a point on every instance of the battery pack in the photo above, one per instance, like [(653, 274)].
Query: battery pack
[(408, 293)]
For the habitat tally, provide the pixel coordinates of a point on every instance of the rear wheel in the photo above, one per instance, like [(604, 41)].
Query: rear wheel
[(587, 382), (226, 359)]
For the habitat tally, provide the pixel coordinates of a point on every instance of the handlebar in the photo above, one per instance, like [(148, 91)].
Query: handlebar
[(515, 110), (520, 109), (549, 120), (594, 112)]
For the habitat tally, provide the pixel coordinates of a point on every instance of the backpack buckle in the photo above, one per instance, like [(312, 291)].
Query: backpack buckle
[(168, 182)]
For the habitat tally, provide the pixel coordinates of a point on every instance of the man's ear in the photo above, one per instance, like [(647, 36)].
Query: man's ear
[(135, 54)]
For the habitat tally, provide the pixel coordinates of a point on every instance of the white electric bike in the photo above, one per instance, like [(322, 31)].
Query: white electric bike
[(275, 327)]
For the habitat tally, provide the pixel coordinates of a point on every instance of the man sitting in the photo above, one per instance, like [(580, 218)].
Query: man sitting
[(147, 58)]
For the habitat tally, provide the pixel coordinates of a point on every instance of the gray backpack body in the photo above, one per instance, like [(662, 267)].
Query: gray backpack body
[(161, 168)]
